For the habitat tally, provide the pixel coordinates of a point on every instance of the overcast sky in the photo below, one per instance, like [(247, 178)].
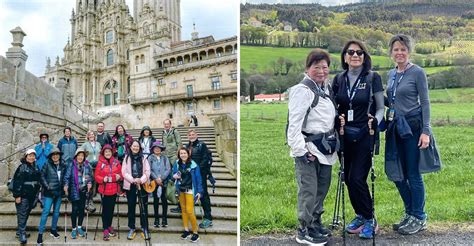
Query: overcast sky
[(46, 24)]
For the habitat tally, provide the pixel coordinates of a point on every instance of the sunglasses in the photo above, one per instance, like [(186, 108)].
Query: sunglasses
[(358, 52)]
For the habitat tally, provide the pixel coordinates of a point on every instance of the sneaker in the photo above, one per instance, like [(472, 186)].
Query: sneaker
[(74, 234), (111, 231), (156, 224), (40, 239), (368, 230), (131, 234), (195, 238), (176, 210), (412, 226), (303, 237), (80, 232), (402, 222), (54, 234), (323, 230), (18, 235), (356, 225), (164, 223), (185, 235), (106, 235), (145, 234), (205, 224), (23, 239)]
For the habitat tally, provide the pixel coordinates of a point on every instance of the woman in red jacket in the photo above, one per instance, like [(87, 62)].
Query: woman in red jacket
[(107, 174)]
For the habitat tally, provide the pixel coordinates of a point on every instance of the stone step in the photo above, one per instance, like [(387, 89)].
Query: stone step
[(216, 201), (174, 225), (218, 213), (158, 238)]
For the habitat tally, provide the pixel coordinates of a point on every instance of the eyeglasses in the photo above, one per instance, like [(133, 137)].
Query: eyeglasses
[(358, 52)]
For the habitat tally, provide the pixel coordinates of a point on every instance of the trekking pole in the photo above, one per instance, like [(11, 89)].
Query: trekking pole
[(372, 177), (65, 222), (87, 213), (118, 210), (142, 216), (341, 132), (100, 213)]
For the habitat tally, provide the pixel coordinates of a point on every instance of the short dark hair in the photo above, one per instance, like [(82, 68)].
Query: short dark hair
[(316, 56), (403, 39), (67, 128), (367, 60), (101, 122)]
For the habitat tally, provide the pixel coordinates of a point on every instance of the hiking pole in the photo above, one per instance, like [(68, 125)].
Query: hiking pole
[(100, 212), (142, 216), (87, 213), (372, 176), (118, 211), (65, 222)]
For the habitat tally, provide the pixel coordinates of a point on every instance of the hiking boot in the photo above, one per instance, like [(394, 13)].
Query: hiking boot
[(23, 239), (74, 234), (368, 231), (131, 234), (106, 235), (195, 238), (412, 226), (111, 231), (176, 210), (40, 239), (185, 235), (54, 234), (205, 224), (356, 225), (402, 222), (80, 232), (303, 237)]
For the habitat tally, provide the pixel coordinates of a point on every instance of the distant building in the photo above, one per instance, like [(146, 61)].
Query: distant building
[(270, 97), (255, 23)]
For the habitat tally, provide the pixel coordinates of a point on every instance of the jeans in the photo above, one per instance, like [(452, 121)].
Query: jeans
[(48, 202), (411, 188)]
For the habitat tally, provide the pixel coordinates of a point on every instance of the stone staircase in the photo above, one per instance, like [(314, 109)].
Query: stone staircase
[(224, 208)]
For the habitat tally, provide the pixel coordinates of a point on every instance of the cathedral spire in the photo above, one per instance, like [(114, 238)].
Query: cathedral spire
[(194, 34)]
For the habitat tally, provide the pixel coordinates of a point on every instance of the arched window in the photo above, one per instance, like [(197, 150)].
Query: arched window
[(109, 37), (110, 57), (111, 93), (142, 59)]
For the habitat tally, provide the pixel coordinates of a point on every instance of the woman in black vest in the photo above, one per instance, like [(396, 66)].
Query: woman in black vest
[(359, 97)]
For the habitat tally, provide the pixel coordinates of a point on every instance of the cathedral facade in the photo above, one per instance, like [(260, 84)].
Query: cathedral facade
[(138, 66)]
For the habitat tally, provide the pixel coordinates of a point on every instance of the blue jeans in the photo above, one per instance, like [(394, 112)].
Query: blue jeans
[(48, 202), (411, 188)]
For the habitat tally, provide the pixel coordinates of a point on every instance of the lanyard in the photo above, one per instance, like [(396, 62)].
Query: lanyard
[(394, 87), (351, 93)]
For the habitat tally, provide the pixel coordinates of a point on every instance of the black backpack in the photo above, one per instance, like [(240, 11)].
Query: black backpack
[(317, 93)]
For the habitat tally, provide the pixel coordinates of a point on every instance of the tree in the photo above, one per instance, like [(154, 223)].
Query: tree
[(252, 92)]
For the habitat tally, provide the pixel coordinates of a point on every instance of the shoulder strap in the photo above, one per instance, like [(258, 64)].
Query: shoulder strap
[(368, 79), (313, 87)]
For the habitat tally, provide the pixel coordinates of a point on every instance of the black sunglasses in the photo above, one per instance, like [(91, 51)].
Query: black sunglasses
[(358, 52)]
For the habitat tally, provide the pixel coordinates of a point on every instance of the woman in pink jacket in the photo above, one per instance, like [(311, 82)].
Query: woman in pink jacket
[(136, 171)]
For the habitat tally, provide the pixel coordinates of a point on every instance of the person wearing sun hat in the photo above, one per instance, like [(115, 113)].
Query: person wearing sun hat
[(160, 170), (26, 184), (52, 181), (78, 182)]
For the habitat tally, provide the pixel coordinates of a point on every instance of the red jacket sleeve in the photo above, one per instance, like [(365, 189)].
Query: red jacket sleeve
[(99, 176)]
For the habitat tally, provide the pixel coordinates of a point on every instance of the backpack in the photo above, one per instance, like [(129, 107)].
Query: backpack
[(208, 154), (10, 184), (317, 93)]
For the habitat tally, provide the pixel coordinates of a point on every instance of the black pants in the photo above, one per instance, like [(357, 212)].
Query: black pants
[(356, 169), (77, 214), (108, 206), (23, 212), (164, 202), (205, 199), (132, 204)]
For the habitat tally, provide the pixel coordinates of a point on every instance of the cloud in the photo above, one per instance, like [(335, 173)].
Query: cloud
[(46, 24)]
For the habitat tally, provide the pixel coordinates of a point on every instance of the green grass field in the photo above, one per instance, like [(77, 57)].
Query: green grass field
[(262, 56), (268, 187)]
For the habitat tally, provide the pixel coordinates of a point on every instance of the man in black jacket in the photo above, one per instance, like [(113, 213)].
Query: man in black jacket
[(52, 180), (103, 137), (200, 155)]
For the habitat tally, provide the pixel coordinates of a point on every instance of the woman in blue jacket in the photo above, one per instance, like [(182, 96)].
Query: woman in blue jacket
[(188, 174), (77, 184)]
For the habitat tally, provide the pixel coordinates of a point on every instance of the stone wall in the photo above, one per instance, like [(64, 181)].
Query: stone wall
[(28, 106), (226, 139)]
